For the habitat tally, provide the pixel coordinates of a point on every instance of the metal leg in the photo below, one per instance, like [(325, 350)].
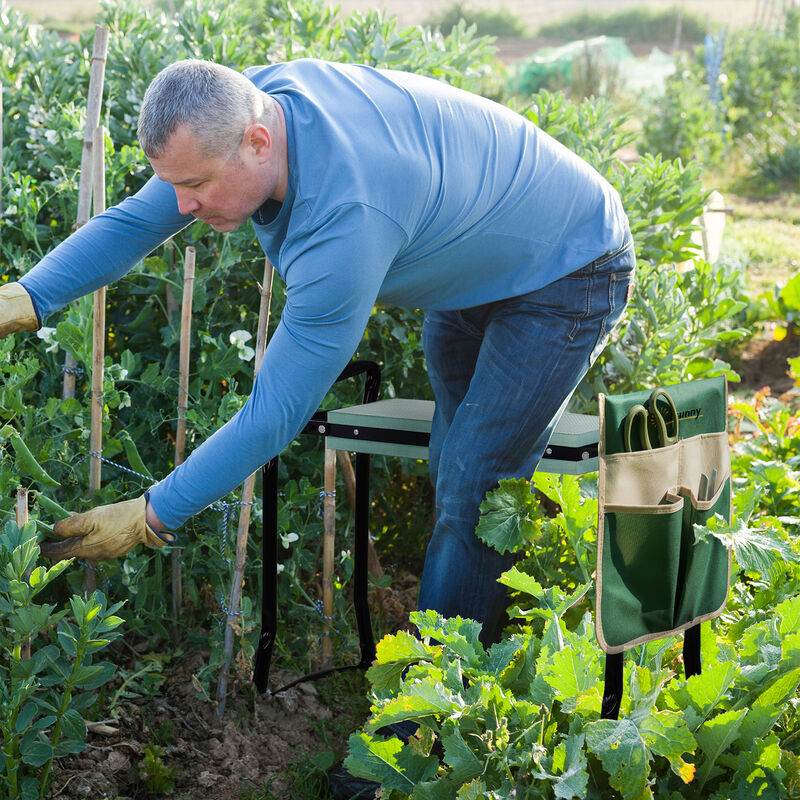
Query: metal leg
[(361, 558), (269, 567)]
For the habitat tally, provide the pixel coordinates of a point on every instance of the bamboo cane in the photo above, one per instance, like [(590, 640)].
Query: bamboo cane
[(248, 487), (22, 506), (183, 405), (328, 549), (99, 324), (96, 78), (349, 477)]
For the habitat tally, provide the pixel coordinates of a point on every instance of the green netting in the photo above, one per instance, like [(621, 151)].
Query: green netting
[(554, 68)]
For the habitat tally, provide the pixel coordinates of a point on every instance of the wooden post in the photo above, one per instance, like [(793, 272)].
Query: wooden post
[(96, 78), (183, 404), (99, 324), (328, 550), (247, 498)]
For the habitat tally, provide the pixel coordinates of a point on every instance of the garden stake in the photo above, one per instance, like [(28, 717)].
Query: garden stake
[(98, 192), (328, 546), (99, 323), (22, 506), (96, 78), (183, 405), (232, 610), (349, 476)]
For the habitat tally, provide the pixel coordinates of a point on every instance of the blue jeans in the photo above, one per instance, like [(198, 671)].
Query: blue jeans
[(502, 374)]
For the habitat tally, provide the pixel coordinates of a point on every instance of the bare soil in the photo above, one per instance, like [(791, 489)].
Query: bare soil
[(264, 744)]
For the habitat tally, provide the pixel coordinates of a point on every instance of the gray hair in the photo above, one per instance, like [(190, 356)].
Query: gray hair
[(216, 102)]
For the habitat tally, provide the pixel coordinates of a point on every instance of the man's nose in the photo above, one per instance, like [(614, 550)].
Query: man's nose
[(187, 202)]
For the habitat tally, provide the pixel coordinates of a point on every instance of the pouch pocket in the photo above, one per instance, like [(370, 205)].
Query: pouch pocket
[(705, 566), (638, 576)]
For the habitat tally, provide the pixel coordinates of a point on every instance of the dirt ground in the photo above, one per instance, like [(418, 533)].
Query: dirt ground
[(255, 749)]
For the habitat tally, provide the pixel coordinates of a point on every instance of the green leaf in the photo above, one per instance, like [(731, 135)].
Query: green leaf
[(767, 708), (423, 699), (72, 725), (759, 772), (393, 654), (25, 716), (464, 763), (573, 777), (66, 746), (760, 551), (70, 337), (389, 762), (573, 670), (509, 516), (460, 635), (37, 753), (666, 735), (714, 737), (699, 695), (789, 614), (623, 754)]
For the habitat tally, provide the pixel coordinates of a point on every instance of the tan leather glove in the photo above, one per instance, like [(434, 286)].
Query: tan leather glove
[(16, 310), (105, 532)]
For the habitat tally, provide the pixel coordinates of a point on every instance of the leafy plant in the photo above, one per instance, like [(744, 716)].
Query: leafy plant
[(45, 687), (521, 719), (684, 123), (157, 776)]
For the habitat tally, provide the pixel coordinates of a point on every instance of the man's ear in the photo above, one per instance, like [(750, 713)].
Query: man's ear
[(259, 140)]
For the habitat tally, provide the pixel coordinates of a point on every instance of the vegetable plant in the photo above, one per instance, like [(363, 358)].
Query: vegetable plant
[(48, 670)]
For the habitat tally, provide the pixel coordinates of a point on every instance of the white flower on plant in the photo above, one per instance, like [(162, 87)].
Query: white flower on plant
[(48, 335), (288, 538), (238, 339)]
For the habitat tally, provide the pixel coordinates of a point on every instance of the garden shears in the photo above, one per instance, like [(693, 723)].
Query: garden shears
[(639, 417)]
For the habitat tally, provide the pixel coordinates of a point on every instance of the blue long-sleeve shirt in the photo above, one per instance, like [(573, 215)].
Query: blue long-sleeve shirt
[(401, 189)]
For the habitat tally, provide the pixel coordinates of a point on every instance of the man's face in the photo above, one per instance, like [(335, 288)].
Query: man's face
[(224, 192)]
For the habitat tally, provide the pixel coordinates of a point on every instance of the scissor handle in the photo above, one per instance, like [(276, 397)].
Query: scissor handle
[(637, 413), (663, 438)]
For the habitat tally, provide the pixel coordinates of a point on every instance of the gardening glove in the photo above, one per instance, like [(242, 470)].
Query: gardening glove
[(16, 310), (105, 532)]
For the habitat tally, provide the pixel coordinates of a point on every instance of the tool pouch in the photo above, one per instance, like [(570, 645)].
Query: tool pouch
[(653, 579)]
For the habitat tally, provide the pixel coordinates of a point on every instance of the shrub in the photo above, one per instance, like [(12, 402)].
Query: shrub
[(684, 123), (487, 22), (634, 24)]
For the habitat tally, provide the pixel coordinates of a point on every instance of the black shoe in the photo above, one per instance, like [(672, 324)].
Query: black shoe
[(345, 786)]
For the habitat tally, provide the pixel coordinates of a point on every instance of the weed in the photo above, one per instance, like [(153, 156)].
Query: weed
[(157, 776)]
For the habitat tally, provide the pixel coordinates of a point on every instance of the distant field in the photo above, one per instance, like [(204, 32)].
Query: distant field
[(735, 13)]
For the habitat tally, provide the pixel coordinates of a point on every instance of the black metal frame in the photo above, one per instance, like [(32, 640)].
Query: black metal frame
[(269, 599)]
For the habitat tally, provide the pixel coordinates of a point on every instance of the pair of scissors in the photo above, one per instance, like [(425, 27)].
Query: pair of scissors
[(639, 416)]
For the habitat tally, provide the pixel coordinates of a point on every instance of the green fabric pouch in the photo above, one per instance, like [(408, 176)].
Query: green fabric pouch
[(653, 580)]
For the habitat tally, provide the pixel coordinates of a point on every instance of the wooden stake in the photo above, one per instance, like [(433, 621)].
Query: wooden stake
[(99, 324), (247, 499), (328, 550), (186, 332), (96, 78), (22, 506), (183, 405)]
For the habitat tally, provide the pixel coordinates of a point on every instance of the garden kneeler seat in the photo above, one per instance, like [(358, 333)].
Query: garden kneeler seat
[(653, 579)]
